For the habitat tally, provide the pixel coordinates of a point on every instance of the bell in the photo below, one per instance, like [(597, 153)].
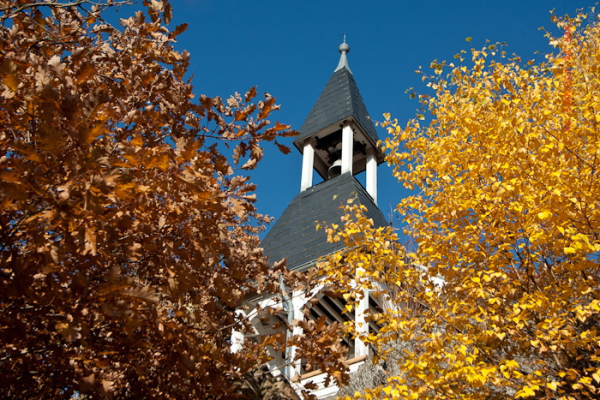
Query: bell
[(335, 169)]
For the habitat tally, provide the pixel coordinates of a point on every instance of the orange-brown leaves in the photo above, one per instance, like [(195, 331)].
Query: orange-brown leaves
[(321, 345), (126, 238)]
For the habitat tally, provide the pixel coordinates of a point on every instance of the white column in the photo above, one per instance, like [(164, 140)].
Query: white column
[(308, 159), (347, 148), (372, 174), (362, 326), (298, 301), (237, 337)]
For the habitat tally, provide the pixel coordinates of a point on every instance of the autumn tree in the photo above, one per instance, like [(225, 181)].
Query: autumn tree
[(128, 233), (502, 293)]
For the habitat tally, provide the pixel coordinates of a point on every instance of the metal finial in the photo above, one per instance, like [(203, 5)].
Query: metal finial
[(343, 49)]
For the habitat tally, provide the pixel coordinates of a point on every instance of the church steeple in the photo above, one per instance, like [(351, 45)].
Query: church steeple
[(338, 136), (338, 140)]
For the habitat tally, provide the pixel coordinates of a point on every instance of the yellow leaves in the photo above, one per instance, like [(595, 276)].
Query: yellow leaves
[(544, 215), (527, 391), (580, 243), (394, 392), (507, 212), (569, 250)]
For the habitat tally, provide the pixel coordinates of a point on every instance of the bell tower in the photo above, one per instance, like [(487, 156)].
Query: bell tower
[(338, 136), (337, 140)]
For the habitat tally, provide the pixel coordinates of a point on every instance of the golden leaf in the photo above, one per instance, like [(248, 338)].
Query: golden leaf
[(11, 81)]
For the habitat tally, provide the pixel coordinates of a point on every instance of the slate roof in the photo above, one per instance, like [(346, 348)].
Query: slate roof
[(294, 235), (340, 99)]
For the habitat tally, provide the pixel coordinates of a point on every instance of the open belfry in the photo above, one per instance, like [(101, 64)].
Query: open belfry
[(338, 140)]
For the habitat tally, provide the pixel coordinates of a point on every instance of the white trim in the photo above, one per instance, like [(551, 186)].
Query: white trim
[(298, 301)]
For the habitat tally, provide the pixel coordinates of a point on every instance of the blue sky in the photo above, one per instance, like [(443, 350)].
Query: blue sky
[(289, 49)]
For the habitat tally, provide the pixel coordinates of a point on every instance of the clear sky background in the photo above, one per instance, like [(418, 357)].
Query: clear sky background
[(289, 48)]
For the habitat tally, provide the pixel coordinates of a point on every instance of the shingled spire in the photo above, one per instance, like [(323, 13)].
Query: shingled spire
[(339, 99)]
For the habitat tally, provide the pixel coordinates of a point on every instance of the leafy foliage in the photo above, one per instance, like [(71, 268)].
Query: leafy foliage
[(127, 238), (502, 293)]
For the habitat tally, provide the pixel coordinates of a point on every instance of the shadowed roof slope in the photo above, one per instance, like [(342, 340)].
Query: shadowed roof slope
[(294, 235), (340, 99)]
